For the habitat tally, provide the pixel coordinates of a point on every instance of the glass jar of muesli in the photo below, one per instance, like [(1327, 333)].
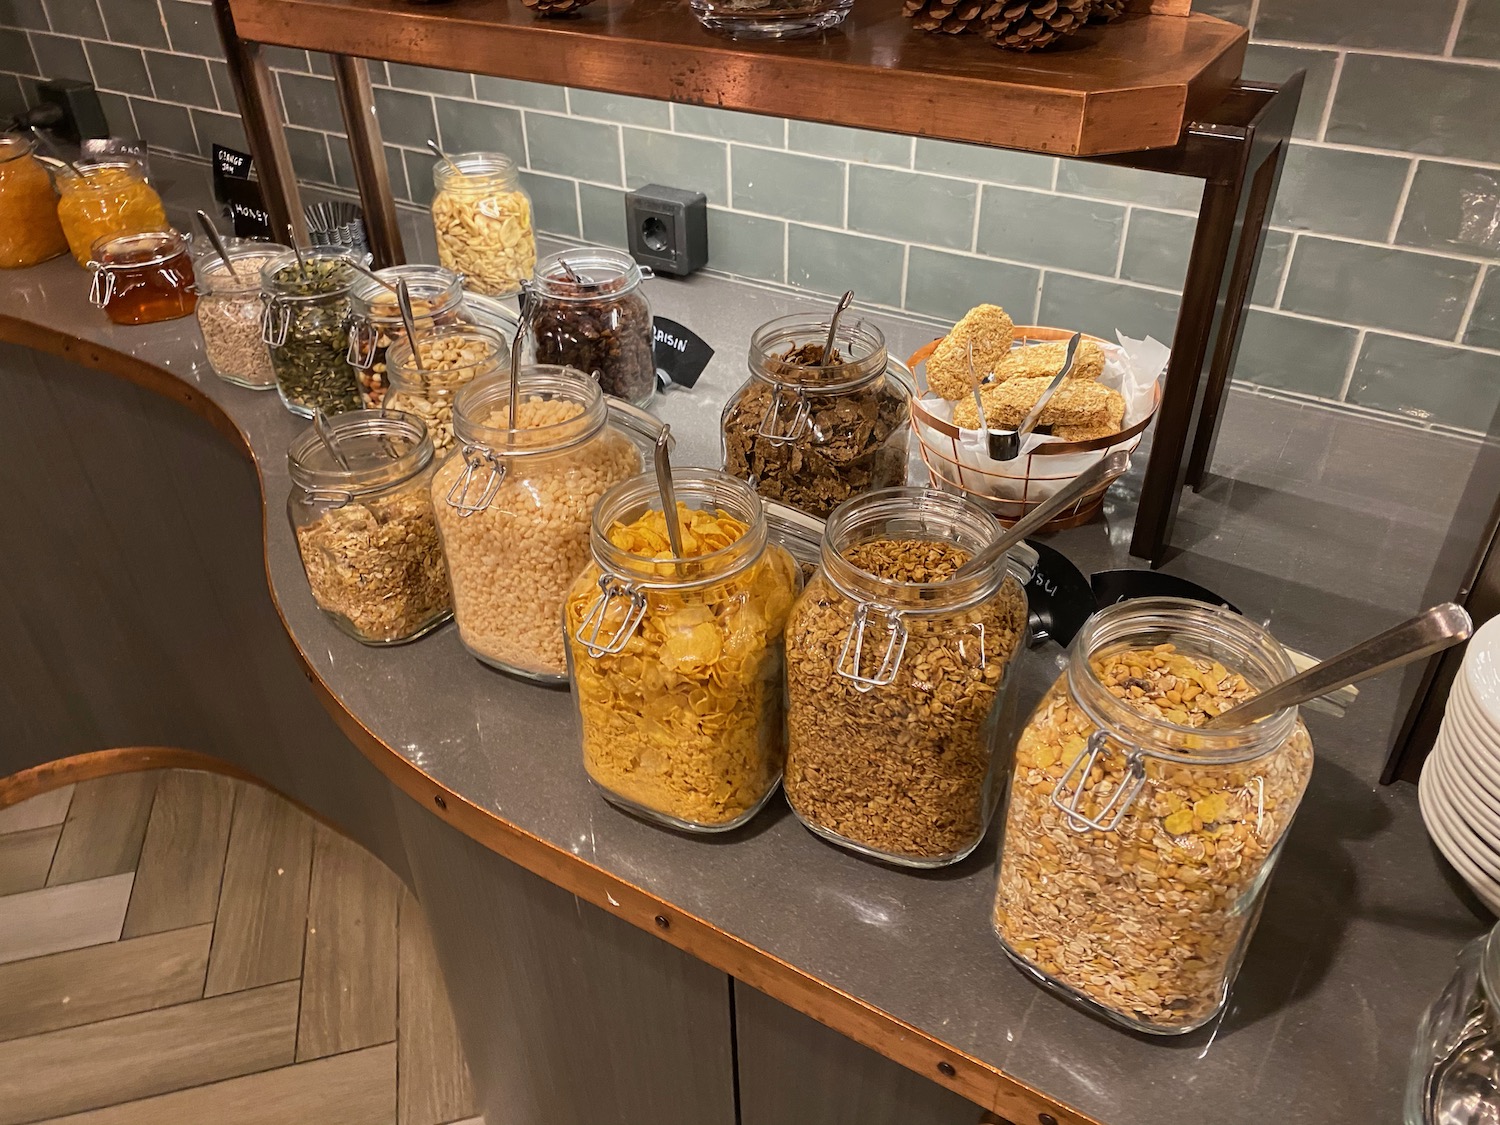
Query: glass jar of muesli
[(1137, 846)]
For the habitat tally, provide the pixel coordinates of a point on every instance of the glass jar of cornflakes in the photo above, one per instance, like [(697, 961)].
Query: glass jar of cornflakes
[(109, 197), (482, 217), (437, 298), (29, 230), (900, 679), (1137, 846), (514, 504), (676, 661)]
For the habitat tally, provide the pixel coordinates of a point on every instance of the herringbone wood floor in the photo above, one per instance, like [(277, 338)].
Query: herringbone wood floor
[(177, 947)]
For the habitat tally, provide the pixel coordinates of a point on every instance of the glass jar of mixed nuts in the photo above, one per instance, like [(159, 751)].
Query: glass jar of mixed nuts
[(437, 298), (229, 312), (482, 216), (811, 433), (143, 278), (587, 311), (366, 533), (110, 197), (899, 678), (452, 356), (514, 504), (29, 230), (677, 661), (306, 324), (1138, 846)]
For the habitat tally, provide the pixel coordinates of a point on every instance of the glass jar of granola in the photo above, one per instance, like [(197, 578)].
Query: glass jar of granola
[(514, 502), (901, 697), (1137, 846), (811, 432), (437, 298), (676, 661), (361, 509), (482, 217), (452, 357)]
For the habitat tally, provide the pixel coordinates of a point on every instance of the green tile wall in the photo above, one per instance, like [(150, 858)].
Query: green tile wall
[(1380, 284)]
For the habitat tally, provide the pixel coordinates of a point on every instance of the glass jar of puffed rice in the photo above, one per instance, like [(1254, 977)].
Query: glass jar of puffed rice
[(1137, 844), (514, 502), (482, 217)]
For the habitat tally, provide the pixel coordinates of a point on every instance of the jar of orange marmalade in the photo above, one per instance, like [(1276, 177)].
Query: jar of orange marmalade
[(143, 278), (110, 197), (29, 230)]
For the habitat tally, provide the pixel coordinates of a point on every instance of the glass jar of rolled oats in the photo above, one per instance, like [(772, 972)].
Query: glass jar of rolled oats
[(1137, 845), (482, 217)]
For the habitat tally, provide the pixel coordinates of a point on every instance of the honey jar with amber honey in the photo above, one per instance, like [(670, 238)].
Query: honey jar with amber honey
[(143, 278), (29, 231)]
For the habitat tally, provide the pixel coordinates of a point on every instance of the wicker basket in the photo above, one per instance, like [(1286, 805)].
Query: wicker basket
[(1010, 489)]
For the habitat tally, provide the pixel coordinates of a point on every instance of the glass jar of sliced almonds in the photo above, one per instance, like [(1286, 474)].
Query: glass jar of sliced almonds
[(1138, 846), (482, 217)]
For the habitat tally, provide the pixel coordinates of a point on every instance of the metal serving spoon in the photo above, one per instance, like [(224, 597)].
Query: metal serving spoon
[(826, 359), (212, 232), (668, 491)]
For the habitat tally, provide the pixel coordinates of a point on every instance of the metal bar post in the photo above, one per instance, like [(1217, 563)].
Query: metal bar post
[(351, 77)]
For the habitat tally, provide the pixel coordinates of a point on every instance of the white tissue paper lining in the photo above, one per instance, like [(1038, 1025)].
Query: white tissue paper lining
[(1132, 367)]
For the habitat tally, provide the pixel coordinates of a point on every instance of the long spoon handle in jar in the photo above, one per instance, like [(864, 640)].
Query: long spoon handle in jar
[(325, 435), (826, 359), (409, 321), (291, 236), (212, 233), (366, 271), (1033, 521), (663, 462), (443, 156), (55, 152), (1429, 632)]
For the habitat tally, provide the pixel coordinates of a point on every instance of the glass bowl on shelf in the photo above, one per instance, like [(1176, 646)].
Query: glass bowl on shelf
[(770, 19)]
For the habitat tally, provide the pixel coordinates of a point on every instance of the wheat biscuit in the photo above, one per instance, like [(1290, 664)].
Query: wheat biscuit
[(1036, 360), (1076, 403), (1114, 422), (989, 329)]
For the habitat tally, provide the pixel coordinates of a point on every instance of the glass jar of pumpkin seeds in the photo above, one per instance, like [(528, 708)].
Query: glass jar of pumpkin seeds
[(1138, 845), (306, 327)]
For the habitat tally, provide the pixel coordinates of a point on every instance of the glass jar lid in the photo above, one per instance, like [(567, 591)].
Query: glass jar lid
[(434, 292), (382, 448), (13, 146), (247, 255), (320, 273), (475, 172), (776, 344), (599, 272), (99, 174), (469, 352), (136, 250), (481, 409)]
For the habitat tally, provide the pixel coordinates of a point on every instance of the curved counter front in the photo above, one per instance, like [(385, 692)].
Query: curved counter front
[(603, 970)]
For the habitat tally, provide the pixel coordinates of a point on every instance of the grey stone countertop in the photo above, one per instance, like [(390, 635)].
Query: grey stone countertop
[(1362, 920)]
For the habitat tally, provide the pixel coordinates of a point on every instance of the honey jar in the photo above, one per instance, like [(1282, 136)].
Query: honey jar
[(29, 231), (110, 197), (143, 278)]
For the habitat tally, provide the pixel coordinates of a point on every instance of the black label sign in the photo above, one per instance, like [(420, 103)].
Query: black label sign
[(681, 354), (231, 164), (247, 211)]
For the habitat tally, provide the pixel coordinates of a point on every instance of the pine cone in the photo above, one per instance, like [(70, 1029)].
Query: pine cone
[(1107, 11), (555, 7), (951, 17), (1029, 25)]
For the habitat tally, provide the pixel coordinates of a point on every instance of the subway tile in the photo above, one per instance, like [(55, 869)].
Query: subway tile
[(1265, 63), (223, 86), (319, 63), (418, 165), (395, 170), (15, 47), (788, 184), (1479, 35), (1431, 382), (530, 95), (1417, 105), (1331, 191), (1392, 24), (1235, 11), (1288, 353), (1156, 248), (452, 82), (911, 206), (1050, 230), (467, 127), (58, 56), (859, 145), (619, 109), (23, 15), (122, 69), (1379, 287), (190, 27), (1102, 307), (76, 17), (343, 165), (554, 203), (1130, 185), (1452, 207), (117, 114), (218, 128), (830, 262), (406, 119), (1272, 265), (286, 58), (746, 245), (164, 126), (181, 78), (980, 162), (601, 211), (585, 150), (13, 95), (1484, 322), (135, 21), (948, 285), (674, 161), (727, 125), (309, 155), (311, 102)]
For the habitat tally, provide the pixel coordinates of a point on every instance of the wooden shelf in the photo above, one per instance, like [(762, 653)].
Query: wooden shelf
[(1129, 86)]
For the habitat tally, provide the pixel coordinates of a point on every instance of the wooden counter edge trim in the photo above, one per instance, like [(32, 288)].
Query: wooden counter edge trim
[(866, 1024)]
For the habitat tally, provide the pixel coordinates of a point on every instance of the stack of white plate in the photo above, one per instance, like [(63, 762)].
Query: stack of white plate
[(1460, 788)]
